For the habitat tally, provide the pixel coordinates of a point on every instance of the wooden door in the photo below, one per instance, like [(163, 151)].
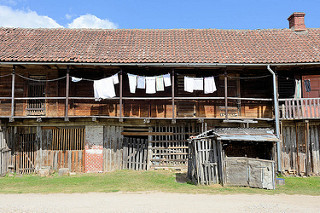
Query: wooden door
[(311, 86), (135, 153)]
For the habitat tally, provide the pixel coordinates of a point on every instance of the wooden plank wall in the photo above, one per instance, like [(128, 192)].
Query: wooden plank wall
[(5, 154), (300, 149), (56, 159), (63, 148), (171, 150), (35, 147), (135, 153), (64, 138), (204, 161), (112, 148)]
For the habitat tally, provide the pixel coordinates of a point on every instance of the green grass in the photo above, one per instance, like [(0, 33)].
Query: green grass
[(137, 181)]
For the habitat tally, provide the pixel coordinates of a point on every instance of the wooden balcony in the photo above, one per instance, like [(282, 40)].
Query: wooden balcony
[(304, 108), (140, 108)]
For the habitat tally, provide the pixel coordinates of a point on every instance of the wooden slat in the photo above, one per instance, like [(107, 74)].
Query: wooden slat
[(145, 133)]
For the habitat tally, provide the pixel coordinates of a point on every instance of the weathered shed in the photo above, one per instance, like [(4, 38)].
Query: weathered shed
[(233, 156)]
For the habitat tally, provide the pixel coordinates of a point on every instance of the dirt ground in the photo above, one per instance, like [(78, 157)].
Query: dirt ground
[(157, 202)]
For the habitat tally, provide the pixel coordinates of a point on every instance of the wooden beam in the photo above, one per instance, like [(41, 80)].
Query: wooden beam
[(121, 98), (172, 95), (297, 149), (12, 93), (66, 118), (226, 94), (307, 141), (145, 133), (239, 96)]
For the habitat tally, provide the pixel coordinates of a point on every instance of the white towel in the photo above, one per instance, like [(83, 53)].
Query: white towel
[(159, 82), (297, 93), (104, 88), (188, 84), (209, 85), (75, 79), (150, 85), (132, 82), (141, 82), (115, 78), (167, 80), (198, 84)]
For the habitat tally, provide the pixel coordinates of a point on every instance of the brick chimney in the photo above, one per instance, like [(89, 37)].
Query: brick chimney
[(296, 21)]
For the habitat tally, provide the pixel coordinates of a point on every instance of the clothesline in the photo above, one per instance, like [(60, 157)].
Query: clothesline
[(41, 80), (2, 76)]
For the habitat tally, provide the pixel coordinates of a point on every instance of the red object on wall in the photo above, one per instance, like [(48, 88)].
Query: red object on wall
[(315, 86)]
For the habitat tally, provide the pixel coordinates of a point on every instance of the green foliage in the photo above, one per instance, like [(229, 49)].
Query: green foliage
[(134, 181)]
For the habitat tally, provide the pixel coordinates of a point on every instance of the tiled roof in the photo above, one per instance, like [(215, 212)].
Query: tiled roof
[(159, 46)]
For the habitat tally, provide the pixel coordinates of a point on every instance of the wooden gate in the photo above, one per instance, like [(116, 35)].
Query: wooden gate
[(169, 145), (26, 146), (135, 153), (203, 161)]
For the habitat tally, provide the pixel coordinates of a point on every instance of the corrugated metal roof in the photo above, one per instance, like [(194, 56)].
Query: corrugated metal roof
[(242, 134)]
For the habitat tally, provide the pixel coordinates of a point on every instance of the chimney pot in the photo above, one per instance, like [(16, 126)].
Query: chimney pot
[(296, 21)]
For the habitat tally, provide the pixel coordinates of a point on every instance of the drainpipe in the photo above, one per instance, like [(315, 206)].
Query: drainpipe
[(276, 114)]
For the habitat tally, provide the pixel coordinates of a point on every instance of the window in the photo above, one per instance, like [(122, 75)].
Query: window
[(36, 89)]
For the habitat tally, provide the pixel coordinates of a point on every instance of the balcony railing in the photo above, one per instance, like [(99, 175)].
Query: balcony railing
[(142, 108), (304, 108)]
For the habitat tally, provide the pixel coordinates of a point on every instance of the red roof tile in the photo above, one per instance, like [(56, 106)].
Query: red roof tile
[(159, 46)]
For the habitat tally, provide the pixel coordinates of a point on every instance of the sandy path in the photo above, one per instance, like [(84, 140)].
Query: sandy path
[(157, 202)]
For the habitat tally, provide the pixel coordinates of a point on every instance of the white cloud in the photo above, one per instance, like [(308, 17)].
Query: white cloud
[(91, 21), (25, 19), (68, 16)]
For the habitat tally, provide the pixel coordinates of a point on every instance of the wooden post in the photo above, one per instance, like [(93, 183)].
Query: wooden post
[(226, 94), (239, 96), (39, 136), (307, 141), (12, 93), (297, 148), (149, 158), (66, 118), (120, 100), (172, 96)]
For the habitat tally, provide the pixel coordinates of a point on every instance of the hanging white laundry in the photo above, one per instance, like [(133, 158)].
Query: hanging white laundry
[(132, 82), (75, 79), (104, 88), (209, 85), (150, 85), (159, 83), (167, 80), (198, 84), (297, 93), (188, 84), (115, 78), (141, 82)]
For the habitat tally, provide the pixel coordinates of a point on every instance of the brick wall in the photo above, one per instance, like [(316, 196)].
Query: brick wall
[(93, 159), (93, 149)]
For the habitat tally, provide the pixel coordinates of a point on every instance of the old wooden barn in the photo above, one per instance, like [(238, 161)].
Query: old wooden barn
[(100, 100)]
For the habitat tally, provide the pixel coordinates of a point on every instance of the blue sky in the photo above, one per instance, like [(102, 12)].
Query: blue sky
[(152, 14)]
